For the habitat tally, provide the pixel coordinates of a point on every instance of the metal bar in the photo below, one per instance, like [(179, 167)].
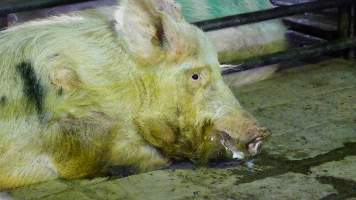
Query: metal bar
[(273, 13), (299, 53), (7, 7)]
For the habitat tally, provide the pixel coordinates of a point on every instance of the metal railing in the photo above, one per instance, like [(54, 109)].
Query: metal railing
[(268, 14), (12, 6), (293, 54), (346, 41)]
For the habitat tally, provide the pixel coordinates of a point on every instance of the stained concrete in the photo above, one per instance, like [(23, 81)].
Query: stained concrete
[(311, 111), (345, 169), (286, 186)]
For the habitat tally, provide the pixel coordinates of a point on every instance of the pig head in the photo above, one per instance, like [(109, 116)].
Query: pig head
[(187, 110)]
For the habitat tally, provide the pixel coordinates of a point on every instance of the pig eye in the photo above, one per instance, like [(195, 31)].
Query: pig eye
[(195, 77)]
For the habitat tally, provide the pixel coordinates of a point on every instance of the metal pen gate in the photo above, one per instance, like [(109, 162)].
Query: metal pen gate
[(345, 40)]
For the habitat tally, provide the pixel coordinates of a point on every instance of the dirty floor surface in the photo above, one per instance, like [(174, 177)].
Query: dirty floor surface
[(312, 155)]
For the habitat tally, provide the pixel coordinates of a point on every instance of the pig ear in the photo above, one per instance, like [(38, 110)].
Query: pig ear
[(147, 27)]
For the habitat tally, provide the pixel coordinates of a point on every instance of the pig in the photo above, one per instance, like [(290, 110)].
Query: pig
[(82, 94)]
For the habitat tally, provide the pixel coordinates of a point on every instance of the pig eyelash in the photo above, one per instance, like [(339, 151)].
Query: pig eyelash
[(196, 77)]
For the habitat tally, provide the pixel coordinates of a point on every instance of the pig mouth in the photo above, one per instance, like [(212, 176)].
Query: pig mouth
[(252, 148)]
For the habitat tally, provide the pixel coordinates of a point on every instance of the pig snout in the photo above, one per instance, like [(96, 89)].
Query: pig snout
[(242, 136)]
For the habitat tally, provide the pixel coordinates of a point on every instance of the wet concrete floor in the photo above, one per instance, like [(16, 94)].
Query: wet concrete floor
[(312, 154)]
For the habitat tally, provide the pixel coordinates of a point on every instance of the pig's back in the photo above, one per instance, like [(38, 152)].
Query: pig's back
[(31, 52), (53, 91), (32, 57)]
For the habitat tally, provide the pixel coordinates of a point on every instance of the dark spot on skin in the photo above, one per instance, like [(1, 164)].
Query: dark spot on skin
[(60, 91), (2, 100), (32, 88), (121, 171)]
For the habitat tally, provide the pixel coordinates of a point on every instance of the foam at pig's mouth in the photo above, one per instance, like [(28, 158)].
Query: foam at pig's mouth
[(253, 147)]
